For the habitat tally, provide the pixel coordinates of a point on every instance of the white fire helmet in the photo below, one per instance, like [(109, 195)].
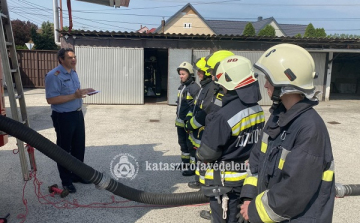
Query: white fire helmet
[(289, 67), (187, 66), (234, 72)]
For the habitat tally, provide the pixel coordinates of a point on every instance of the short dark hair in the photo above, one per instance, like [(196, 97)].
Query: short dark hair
[(61, 53)]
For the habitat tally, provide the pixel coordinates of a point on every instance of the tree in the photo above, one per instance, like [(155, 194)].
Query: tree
[(21, 32), (298, 35), (320, 33), (249, 30), (268, 30), (343, 36), (44, 40), (310, 31)]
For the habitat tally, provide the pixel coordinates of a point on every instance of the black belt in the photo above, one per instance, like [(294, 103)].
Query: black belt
[(77, 110)]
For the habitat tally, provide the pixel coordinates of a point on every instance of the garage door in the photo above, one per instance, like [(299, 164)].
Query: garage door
[(117, 72)]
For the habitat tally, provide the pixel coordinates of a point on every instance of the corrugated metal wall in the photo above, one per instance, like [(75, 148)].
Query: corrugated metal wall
[(117, 72), (319, 59), (320, 66), (176, 56), (253, 56), (196, 55)]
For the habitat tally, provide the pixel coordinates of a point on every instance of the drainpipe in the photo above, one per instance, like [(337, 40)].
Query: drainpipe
[(56, 23)]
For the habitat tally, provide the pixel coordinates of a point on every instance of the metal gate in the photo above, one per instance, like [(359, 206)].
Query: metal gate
[(118, 73)]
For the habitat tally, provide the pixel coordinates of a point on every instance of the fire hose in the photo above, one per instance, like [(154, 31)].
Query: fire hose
[(103, 181)]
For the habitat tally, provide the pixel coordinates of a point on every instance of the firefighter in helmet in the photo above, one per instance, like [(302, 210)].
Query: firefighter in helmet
[(292, 167), (187, 91), (197, 115), (215, 104), (229, 137)]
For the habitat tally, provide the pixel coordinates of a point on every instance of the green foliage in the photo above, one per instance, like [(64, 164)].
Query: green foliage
[(298, 35), (21, 47), (268, 30), (343, 36), (21, 31), (249, 30), (310, 31), (320, 33), (45, 39)]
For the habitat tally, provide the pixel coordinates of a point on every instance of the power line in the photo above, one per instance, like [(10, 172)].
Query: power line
[(36, 7)]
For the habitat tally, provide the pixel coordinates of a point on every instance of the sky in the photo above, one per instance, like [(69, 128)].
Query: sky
[(340, 17)]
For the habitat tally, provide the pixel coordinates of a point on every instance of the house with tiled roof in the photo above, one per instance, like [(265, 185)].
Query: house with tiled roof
[(144, 29), (189, 21)]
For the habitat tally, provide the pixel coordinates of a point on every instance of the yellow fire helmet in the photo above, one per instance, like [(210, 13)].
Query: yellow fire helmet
[(216, 57), (187, 66), (234, 72), (200, 64)]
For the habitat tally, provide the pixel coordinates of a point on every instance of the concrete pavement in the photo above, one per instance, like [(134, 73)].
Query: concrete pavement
[(147, 134)]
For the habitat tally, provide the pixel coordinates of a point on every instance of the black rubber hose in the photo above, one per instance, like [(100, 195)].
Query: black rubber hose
[(347, 190), (86, 172)]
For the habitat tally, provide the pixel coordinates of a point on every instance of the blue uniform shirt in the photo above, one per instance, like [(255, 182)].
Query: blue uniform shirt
[(59, 82)]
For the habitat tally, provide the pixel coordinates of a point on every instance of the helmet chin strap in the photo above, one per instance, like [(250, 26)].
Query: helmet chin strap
[(275, 97)]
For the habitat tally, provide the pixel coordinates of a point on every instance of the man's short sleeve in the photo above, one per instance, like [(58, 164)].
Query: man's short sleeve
[(52, 85)]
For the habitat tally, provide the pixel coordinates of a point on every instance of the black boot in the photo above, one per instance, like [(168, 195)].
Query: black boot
[(188, 173), (205, 214), (194, 184)]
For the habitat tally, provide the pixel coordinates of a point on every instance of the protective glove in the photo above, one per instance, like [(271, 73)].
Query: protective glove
[(187, 126)]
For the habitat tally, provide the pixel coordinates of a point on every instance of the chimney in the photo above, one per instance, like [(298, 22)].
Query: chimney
[(260, 18), (162, 26), (140, 26)]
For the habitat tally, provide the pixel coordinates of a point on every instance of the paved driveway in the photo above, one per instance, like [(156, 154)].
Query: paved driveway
[(147, 134)]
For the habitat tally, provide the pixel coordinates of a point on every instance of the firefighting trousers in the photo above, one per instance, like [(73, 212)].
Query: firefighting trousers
[(185, 144), (233, 210)]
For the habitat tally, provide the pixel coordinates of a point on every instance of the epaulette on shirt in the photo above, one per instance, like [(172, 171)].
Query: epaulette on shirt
[(57, 73)]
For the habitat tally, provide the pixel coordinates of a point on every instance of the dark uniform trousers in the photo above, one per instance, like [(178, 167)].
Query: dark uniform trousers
[(184, 142), (70, 133), (233, 209)]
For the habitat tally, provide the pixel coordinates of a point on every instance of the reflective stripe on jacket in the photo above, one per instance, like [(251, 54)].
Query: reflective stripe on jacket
[(219, 143), (186, 94), (292, 169)]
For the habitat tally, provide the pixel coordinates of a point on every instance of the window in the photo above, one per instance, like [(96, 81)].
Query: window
[(187, 25)]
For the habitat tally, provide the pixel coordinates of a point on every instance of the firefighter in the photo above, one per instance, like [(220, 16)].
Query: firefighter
[(215, 105), (204, 104), (187, 91), (197, 114), (292, 167), (229, 137)]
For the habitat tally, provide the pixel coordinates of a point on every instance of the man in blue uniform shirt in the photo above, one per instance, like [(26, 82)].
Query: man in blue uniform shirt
[(63, 92)]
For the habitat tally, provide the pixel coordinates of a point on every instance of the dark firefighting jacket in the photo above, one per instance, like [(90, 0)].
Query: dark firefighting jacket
[(292, 169), (196, 123), (216, 103), (230, 135), (186, 93)]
